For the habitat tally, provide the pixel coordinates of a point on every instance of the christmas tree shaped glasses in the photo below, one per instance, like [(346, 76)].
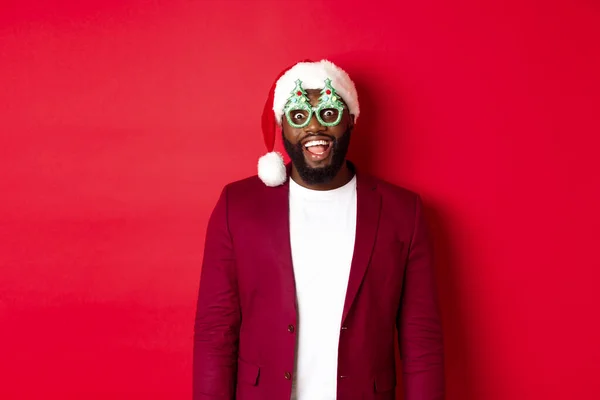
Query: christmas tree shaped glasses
[(299, 111)]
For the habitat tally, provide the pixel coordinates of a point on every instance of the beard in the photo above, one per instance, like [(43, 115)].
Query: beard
[(319, 175)]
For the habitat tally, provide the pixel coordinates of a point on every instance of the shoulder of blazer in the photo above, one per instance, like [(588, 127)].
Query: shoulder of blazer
[(248, 190), (249, 185), (249, 196), (389, 191), (253, 186)]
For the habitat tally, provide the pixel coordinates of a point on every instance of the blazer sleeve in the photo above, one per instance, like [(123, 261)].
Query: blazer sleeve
[(419, 324), (218, 316)]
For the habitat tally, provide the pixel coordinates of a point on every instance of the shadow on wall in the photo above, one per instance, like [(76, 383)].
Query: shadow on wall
[(460, 375), (378, 105), (363, 148), (363, 151)]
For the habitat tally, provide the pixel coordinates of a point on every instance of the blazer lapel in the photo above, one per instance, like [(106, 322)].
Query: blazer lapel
[(277, 228), (367, 222)]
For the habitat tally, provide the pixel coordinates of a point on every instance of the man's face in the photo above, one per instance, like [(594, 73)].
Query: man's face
[(318, 152)]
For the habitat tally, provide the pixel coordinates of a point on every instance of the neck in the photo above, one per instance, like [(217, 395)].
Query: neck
[(343, 176)]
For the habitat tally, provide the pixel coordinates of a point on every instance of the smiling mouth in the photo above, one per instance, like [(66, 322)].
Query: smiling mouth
[(317, 149)]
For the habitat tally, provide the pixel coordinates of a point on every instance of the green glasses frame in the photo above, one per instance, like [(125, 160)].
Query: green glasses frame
[(299, 101)]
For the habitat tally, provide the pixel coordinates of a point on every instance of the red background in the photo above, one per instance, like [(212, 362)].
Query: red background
[(121, 121)]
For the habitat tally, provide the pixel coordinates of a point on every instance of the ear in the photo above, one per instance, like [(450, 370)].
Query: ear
[(351, 121), (286, 129)]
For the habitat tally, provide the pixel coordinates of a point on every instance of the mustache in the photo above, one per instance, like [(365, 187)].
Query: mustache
[(330, 137)]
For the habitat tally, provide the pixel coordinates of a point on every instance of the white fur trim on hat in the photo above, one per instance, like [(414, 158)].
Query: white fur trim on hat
[(271, 169), (313, 75)]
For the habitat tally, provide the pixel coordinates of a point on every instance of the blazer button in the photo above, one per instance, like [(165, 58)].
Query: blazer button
[(291, 328), (287, 376), (344, 328)]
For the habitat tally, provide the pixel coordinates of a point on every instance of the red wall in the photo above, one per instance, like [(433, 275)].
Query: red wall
[(120, 124)]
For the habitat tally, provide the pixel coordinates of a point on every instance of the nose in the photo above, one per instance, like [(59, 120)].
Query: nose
[(314, 126)]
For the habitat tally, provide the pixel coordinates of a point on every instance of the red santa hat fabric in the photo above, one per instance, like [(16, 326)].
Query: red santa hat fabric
[(271, 168)]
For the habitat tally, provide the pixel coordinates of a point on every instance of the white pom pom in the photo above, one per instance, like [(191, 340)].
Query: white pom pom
[(271, 169)]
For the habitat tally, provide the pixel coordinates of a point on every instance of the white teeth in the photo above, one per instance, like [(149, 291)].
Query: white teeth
[(316, 143)]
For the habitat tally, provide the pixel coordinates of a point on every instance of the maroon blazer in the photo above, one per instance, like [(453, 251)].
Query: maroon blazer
[(245, 328)]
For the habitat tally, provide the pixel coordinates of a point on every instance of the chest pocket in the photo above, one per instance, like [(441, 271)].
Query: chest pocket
[(385, 381), (386, 269), (248, 373), (388, 251)]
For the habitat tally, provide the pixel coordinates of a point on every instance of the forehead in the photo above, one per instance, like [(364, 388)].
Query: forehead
[(315, 94)]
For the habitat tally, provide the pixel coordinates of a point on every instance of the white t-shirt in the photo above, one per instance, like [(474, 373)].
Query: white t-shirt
[(322, 233)]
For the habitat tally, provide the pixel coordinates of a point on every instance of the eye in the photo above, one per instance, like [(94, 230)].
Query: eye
[(329, 114), (298, 116)]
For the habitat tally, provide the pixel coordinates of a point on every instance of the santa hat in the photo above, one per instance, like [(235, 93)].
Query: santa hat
[(271, 168)]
